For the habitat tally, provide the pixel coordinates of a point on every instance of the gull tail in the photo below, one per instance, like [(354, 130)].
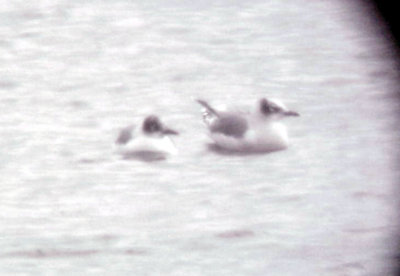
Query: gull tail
[(125, 135), (209, 109)]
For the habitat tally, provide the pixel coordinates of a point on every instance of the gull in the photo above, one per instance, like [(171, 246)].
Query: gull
[(258, 131), (149, 142)]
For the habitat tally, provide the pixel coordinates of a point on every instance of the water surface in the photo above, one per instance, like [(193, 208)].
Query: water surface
[(74, 73)]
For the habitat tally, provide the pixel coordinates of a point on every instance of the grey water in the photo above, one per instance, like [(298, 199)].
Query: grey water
[(73, 73)]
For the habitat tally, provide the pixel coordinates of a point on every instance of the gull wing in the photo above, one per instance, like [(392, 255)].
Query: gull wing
[(230, 124)]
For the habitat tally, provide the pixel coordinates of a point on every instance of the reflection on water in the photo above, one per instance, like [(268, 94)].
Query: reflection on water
[(73, 74)]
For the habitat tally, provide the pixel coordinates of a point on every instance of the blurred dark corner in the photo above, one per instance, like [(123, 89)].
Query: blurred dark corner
[(386, 12), (385, 15)]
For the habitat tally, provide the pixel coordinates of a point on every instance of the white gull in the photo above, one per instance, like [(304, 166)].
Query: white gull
[(258, 131), (148, 142)]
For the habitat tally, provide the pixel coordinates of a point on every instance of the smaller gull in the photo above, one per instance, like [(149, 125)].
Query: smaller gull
[(149, 142), (258, 131)]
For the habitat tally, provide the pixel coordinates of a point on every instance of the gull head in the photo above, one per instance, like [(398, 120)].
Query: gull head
[(274, 109), (152, 126)]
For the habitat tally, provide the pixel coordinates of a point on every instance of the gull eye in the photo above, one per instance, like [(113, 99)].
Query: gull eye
[(265, 109)]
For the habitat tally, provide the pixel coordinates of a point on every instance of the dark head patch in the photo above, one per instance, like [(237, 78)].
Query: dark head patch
[(268, 107), (152, 124)]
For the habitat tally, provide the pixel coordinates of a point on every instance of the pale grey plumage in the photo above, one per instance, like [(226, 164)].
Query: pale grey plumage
[(230, 125), (227, 123)]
